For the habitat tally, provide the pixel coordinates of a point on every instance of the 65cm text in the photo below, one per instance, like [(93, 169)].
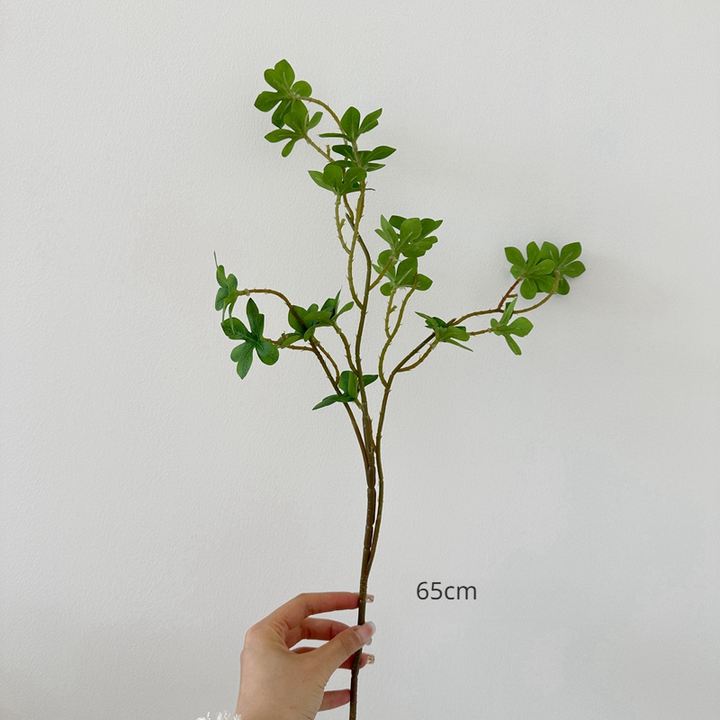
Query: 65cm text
[(436, 591)]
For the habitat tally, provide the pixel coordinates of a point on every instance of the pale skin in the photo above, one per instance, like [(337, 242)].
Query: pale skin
[(279, 681)]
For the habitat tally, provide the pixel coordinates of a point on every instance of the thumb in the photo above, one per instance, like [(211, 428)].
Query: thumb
[(334, 653)]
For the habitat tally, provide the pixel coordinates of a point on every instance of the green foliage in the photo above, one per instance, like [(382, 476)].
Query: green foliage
[(339, 180), (520, 326), (445, 332), (304, 321), (350, 389), (405, 274), (409, 237), (228, 293), (545, 266), (299, 125), (352, 128), (364, 159), (242, 354), (287, 96)]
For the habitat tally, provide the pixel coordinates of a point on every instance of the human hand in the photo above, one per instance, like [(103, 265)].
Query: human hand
[(280, 683)]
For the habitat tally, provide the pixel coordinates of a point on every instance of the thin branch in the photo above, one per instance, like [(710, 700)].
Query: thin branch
[(391, 335), (328, 108), (417, 362), (497, 309), (544, 300), (325, 153), (383, 272), (358, 435), (339, 225), (320, 347), (346, 344)]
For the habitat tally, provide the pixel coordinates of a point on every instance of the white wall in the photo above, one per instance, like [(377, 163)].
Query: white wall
[(154, 506)]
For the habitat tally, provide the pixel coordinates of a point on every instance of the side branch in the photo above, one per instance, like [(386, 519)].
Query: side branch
[(358, 434), (497, 309)]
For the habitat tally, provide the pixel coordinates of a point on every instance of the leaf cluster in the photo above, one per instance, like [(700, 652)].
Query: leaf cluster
[(287, 96), (242, 354), (228, 293), (304, 321), (350, 388), (520, 326), (352, 127), (408, 236), (339, 180), (544, 267), (444, 332), (299, 123), (294, 123)]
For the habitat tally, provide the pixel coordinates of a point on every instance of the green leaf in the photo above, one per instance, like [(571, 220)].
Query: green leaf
[(243, 355), (319, 178), (266, 101), (574, 269), (367, 379), (288, 148), (370, 122), (281, 77), (571, 252), (380, 152), (279, 135), (296, 319), (345, 151), (343, 381), (520, 326), (256, 320), (220, 275), (508, 312), (406, 271), (220, 298), (267, 352), (350, 123), (351, 385), (329, 400), (235, 329), (302, 88), (528, 289), (423, 282), (514, 256), (513, 345)]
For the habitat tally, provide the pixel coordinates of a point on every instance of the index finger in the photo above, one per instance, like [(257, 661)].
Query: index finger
[(292, 613)]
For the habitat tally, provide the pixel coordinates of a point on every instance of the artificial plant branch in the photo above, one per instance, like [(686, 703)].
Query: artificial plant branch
[(540, 269)]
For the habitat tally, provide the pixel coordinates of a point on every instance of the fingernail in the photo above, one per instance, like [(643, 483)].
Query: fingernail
[(370, 659), (366, 630), (369, 642), (370, 598)]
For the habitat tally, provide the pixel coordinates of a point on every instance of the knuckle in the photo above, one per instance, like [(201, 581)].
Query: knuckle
[(253, 635)]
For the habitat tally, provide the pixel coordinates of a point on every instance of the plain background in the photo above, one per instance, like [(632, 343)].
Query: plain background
[(154, 506)]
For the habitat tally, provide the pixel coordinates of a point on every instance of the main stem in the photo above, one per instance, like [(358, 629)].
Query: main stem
[(368, 544)]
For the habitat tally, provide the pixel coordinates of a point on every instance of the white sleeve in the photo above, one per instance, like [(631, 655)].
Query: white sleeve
[(222, 716)]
